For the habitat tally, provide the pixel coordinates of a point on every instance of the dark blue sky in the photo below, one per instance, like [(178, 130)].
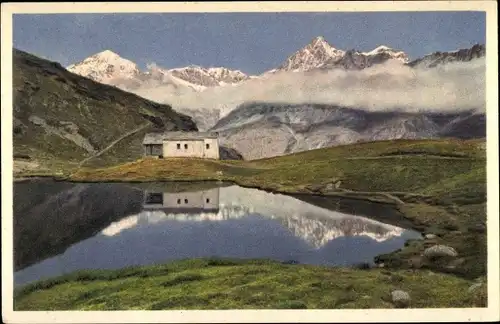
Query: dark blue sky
[(251, 42)]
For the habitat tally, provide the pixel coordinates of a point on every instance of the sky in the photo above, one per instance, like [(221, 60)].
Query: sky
[(250, 42)]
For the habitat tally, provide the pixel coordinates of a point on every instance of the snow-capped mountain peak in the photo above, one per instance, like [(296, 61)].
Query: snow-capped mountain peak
[(213, 76), (389, 52), (378, 49), (107, 55), (105, 66), (219, 72), (110, 68), (319, 54), (320, 42), (313, 55)]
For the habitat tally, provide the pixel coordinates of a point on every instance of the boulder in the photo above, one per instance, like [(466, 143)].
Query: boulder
[(400, 298), (440, 251)]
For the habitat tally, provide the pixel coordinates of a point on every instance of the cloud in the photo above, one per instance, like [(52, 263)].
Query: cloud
[(390, 86)]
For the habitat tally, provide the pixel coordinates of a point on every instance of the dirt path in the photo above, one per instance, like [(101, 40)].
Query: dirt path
[(132, 132)]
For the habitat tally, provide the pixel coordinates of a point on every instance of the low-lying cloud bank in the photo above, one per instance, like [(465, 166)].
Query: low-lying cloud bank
[(390, 86)]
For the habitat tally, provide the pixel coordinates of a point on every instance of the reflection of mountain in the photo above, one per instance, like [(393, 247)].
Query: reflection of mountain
[(319, 232), (64, 228), (315, 225)]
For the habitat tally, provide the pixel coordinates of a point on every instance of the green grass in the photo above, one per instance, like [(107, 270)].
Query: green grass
[(237, 284)]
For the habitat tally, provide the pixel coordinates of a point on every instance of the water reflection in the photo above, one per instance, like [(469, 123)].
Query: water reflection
[(225, 222)]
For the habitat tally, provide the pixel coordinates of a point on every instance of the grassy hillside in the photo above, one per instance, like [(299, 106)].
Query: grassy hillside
[(230, 284), (425, 167), (61, 118)]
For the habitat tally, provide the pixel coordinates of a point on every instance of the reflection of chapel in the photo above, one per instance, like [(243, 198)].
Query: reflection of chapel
[(183, 202)]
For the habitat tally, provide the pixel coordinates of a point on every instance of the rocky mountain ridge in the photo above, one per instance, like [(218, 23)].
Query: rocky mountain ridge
[(109, 67), (260, 130)]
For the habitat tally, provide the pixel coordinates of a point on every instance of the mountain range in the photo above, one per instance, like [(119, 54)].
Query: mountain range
[(261, 130), (108, 67), (244, 110)]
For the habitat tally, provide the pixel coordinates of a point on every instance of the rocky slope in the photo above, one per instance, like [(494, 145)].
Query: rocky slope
[(61, 116), (260, 130), (267, 129)]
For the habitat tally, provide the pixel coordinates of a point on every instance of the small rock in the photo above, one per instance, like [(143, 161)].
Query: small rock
[(440, 251), (475, 286), (329, 187), (381, 265), (430, 236), (36, 120), (400, 298)]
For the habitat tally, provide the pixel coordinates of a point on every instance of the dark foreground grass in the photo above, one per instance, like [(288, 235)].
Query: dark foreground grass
[(238, 284)]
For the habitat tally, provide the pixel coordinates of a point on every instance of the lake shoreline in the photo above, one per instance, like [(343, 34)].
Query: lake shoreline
[(398, 220), (364, 196), (436, 203)]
